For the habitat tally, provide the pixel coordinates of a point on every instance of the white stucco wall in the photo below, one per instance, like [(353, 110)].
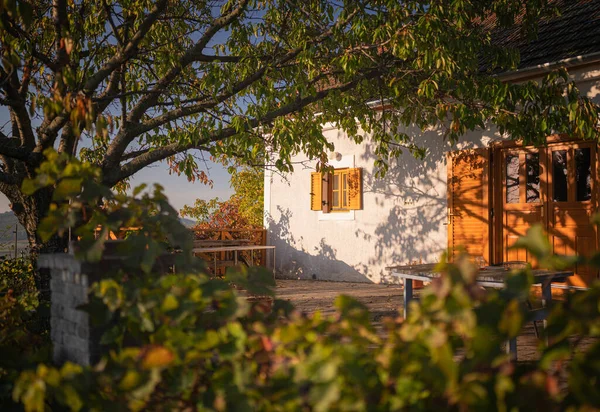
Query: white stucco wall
[(403, 219)]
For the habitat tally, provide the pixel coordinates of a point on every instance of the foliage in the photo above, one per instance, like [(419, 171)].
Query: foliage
[(248, 184), (75, 205), (216, 214), (23, 338), (244, 209), (137, 82), (196, 343), (185, 341)]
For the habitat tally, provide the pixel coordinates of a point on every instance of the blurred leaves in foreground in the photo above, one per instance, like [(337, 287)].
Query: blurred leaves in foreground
[(186, 341)]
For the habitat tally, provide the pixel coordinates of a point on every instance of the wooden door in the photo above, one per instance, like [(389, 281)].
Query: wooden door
[(468, 202), (572, 199), (555, 186), (522, 197)]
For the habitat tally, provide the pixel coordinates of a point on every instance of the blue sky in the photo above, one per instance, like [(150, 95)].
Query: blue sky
[(179, 191), (177, 188)]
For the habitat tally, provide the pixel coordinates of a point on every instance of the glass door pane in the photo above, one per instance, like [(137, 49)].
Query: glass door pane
[(532, 165), (512, 179), (583, 174), (559, 176)]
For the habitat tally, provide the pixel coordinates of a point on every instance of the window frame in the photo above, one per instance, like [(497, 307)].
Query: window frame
[(342, 194)]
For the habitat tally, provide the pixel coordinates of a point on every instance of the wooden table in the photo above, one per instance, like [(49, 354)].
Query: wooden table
[(235, 250), (202, 243), (489, 277)]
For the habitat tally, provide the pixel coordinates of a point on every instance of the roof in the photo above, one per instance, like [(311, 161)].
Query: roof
[(575, 32)]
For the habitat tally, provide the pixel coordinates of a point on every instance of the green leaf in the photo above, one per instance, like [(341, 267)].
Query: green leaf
[(67, 188), (49, 226), (535, 241), (257, 281), (29, 186), (169, 303)]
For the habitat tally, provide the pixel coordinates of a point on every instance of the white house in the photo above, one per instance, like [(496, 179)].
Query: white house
[(482, 193)]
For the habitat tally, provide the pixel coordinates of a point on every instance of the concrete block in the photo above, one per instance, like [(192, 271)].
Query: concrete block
[(78, 344), (57, 309), (79, 317), (71, 328), (83, 332), (54, 282), (54, 324)]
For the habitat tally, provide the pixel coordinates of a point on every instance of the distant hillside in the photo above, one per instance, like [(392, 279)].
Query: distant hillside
[(7, 226), (8, 221), (189, 223)]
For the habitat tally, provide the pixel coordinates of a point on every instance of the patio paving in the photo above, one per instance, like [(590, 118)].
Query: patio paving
[(310, 296)]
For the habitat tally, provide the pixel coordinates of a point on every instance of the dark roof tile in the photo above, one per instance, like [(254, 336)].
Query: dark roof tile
[(575, 32)]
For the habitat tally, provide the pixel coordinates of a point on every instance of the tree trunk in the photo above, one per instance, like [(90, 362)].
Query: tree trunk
[(30, 210)]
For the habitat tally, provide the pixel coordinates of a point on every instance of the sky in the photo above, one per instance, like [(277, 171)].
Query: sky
[(177, 188)]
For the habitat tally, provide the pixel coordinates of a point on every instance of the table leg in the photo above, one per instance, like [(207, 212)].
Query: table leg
[(511, 348), (408, 295), (546, 303)]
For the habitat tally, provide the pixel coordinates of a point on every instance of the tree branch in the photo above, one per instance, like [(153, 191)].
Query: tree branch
[(61, 28), (108, 12), (125, 136), (94, 81), (134, 154), (112, 177), (19, 111), (19, 33), (7, 179), (205, 58), (10, 147), (49, 129), (189, 57)]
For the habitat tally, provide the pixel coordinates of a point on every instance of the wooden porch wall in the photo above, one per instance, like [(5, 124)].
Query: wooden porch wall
[(255, 236)]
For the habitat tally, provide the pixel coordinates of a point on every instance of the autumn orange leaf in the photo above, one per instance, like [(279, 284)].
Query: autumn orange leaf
[(156, 357)]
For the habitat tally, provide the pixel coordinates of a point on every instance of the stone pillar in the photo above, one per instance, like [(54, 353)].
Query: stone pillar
[(69, 326), (73, 337)]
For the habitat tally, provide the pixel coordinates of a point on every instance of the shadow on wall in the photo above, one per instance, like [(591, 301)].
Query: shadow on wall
[(404, 220), (412, 198), (318, 262), (411, 207)]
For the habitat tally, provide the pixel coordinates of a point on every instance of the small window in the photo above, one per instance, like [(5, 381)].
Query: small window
[(583, 173), (339, 192), (512, 179), (559, 176)]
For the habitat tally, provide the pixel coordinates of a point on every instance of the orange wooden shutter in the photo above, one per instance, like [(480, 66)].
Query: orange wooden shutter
[(355, 189), (316, 180), (468, 202)]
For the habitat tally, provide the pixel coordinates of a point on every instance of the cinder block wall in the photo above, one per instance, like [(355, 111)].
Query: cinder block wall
[(73, 337), (69, 326)]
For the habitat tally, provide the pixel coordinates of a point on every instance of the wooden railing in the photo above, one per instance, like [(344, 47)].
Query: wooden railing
[(252, 236), (249, 236), (256, 236)]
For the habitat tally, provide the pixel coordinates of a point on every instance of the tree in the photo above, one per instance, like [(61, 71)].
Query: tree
[(134, 83), (244, 209)]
